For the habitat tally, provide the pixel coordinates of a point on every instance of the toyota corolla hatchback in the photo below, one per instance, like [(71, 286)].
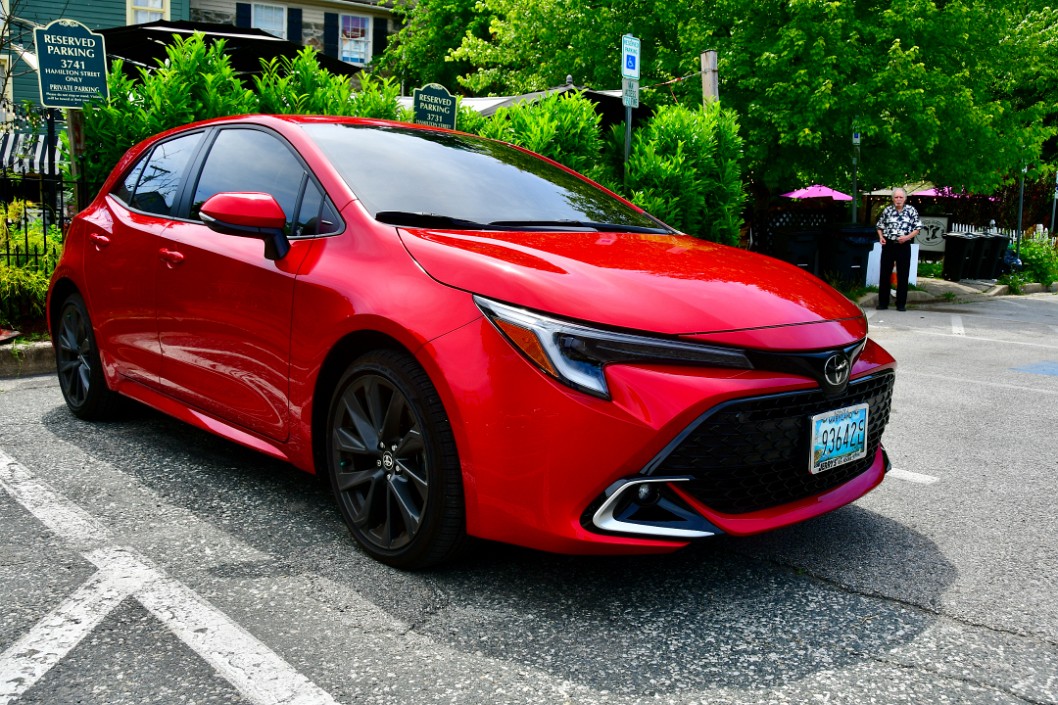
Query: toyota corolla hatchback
[(467, 339)]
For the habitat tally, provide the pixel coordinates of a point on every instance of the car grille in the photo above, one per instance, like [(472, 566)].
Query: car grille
[(752, 454)]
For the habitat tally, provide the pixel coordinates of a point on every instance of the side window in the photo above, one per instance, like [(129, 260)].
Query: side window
[(152, 185), (126, 188), (316, 215), (250, 160)]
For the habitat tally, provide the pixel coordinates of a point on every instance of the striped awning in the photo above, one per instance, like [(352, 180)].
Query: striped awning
[(27, 153)]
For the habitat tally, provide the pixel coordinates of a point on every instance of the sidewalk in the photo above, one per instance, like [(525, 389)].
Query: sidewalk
[(943, 291), (25, 359)]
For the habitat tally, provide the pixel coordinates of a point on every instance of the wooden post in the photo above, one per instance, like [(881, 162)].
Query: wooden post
[(710, 78)]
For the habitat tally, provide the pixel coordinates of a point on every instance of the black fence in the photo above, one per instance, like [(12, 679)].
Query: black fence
[(36, 204)]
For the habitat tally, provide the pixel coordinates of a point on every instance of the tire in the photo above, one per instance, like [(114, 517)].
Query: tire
[(78, 364), (392, 462)]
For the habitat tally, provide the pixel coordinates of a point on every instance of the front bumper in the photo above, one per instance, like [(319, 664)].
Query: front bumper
[(551, 468)]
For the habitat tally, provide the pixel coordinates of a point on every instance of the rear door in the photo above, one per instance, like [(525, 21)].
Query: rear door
[(126, 254)]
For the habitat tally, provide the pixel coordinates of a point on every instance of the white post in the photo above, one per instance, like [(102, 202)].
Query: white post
[(710, 78)]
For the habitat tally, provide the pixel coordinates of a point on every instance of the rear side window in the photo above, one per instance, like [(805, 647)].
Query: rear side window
[(153, 184)]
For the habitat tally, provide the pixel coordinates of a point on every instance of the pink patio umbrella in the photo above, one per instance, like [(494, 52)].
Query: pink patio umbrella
[(818, 191)]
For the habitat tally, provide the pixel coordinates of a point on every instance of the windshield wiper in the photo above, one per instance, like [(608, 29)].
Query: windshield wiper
[(413, 219), (417, 219), (582, 225)]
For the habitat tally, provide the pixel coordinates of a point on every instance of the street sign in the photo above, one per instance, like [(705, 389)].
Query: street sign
[(72, 63), (630, 57), (435, 106), (630, 93)]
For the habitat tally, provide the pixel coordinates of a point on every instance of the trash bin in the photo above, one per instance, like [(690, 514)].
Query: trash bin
[(799, 247), (974, 252), (845, 252), (958, 248), (989, 253), (999, 263)]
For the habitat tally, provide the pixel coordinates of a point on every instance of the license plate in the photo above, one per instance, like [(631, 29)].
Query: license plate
[(838, 437)]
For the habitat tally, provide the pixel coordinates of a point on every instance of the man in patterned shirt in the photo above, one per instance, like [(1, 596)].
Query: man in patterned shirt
[(897, 226)]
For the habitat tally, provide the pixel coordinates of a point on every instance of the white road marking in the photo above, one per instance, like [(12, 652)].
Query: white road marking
[(260, 674), (964, 380), (915, 477), (956, 326), (29, 658), (989, 340)]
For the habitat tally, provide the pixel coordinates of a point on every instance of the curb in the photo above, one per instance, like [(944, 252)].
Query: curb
[(26, 359)]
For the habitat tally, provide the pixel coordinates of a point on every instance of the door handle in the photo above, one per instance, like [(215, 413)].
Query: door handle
[(171, 257), (100, 241)]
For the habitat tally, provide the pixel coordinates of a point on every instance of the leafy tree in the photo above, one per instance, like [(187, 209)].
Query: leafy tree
[(420, 52), (959, 92)]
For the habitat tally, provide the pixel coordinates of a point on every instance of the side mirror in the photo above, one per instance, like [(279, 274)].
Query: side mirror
[(255, 215)]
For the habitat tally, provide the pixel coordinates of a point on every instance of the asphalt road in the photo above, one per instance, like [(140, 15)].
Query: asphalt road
[(142, 561)]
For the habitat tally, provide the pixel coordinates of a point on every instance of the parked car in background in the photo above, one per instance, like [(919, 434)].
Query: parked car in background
[(466, 338)]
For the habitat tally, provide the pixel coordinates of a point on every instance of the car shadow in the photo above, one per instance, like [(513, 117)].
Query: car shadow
[(743, 613)]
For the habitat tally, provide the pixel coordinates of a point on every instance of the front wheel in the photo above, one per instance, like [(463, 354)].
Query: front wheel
[(392, 462), (77, 359)]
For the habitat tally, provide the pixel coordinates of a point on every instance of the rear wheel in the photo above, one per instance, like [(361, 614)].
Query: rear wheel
[(77, 359), (392, 462)]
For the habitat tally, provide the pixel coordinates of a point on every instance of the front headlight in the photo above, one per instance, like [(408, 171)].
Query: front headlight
[(576, 354)]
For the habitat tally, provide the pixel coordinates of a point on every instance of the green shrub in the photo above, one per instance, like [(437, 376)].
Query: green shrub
[(377, 98), (195, 83), (467, 120), (684, 167), (301, 86), (1040, 261), (561, 126), (22, 295)]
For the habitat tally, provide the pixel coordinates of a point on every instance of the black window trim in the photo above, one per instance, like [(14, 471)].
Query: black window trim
[(144, 159), (185, 192)]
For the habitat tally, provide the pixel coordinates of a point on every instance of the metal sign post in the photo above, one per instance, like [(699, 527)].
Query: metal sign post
[(630, 47), (71, 70), (855, 161)]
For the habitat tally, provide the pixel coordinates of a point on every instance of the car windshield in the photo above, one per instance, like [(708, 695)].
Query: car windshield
[(413, 177)]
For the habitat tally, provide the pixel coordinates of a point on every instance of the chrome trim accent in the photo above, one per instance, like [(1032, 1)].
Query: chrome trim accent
[(605, 520)]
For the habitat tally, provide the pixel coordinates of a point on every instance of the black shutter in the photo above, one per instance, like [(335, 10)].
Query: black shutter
[(294, 25), (380, 38), (242, 14), (330, 34)]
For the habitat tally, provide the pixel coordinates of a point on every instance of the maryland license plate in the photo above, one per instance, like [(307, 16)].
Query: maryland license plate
[(838, 437)]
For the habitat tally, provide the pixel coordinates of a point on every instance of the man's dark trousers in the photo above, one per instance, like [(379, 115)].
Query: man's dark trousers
[(900, 254)]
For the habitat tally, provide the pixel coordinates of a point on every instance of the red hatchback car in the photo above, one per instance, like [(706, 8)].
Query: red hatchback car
[(466, 338)]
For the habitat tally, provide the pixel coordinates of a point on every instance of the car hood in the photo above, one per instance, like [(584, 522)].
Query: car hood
[(667, 284)]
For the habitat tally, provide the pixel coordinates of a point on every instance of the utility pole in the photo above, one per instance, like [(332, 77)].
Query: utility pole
[(710, 78)]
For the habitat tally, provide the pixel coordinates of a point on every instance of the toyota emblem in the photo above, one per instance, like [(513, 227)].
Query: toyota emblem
[(836, 370)]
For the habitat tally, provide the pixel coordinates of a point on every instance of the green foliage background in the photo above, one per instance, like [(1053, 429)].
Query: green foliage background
[(686, 167), (960, 93)]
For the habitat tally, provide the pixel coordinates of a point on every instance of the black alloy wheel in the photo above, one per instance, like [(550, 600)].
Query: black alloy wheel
[(77, 360), (393, 464)]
